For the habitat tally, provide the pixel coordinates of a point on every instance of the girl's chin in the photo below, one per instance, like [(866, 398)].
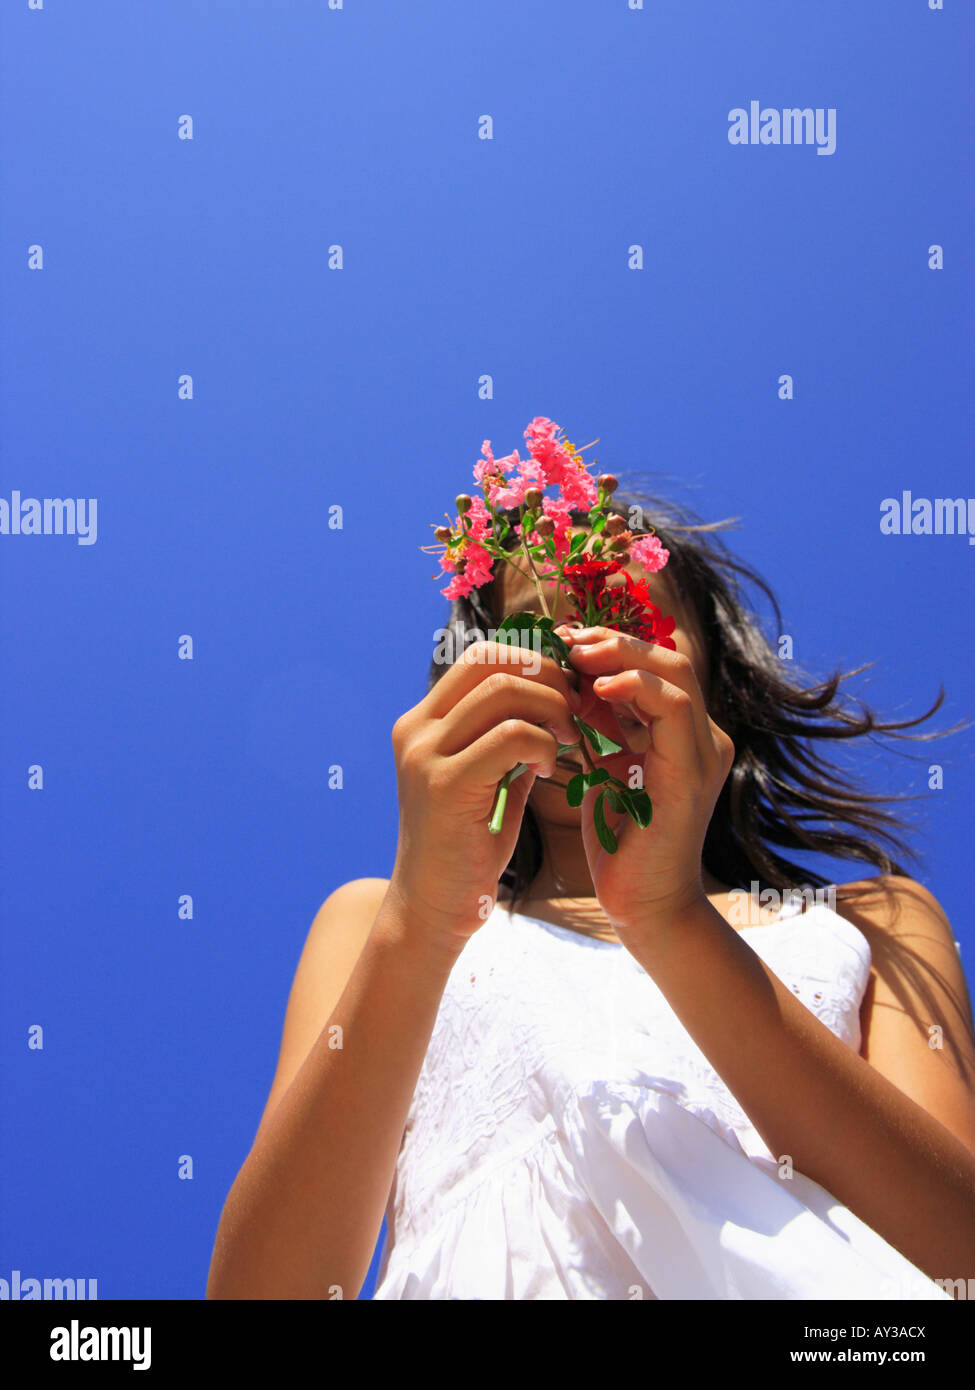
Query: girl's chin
[(558, 782), (550, 793)]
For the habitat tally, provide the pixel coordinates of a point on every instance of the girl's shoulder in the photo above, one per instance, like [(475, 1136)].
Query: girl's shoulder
[(890, 908), (916, 1015)]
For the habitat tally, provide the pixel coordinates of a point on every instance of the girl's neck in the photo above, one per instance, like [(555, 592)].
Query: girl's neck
[(584, 913)]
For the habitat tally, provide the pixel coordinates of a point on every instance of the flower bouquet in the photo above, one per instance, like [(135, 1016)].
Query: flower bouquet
[(581, 567)]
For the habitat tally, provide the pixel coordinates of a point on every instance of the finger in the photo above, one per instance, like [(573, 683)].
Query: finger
[(482, 659), (615, 651), (675, 729), (605, 716), (496, 752), (503, 694)]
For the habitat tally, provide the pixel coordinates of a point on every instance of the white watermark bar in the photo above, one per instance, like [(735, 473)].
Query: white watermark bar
[(17, 1288), (50, 516), (908, 515)]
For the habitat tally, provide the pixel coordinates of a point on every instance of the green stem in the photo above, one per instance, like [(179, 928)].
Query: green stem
[(501, 801), (585, 752), (531, 565)]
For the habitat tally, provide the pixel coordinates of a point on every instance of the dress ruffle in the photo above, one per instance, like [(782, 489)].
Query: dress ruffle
[(701, 1219), (567, 1139)]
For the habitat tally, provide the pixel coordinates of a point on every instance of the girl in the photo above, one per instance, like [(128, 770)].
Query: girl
[(569, 1074)]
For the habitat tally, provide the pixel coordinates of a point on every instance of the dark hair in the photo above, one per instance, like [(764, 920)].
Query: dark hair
[(777, 784)]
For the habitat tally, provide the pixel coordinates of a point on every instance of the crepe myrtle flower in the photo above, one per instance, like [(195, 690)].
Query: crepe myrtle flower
[(587, 568)]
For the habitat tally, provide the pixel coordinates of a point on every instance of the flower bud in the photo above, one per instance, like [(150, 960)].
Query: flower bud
[(614, 525), (545, 527), (607, 483), (463, 503), (533, 497), (443, 534)]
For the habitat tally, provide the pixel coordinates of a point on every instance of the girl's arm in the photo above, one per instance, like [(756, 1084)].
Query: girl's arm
[(304, 1213), (303, 1216), (892, 1139), (905, 1166)]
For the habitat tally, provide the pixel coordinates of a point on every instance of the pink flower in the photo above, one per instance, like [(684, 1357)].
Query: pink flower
[(559, 511), (531, 470), (485, 464), (479, 561), (502, 491), (508, 493), (488, 470), (553, 462), (547, 451), (480, 519), (649, 552), (560, 467), (579, 489), (477, 570)]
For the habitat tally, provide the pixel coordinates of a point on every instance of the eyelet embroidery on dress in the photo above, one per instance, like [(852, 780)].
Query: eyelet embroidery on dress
[(561, 1121), (555, 1018)]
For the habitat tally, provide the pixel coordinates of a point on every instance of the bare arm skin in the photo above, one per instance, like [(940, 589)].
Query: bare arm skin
[(304, 1213), (890, 1133), (303, 1216)]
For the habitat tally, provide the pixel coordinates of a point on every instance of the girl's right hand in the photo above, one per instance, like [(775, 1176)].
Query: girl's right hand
[(489, 711)]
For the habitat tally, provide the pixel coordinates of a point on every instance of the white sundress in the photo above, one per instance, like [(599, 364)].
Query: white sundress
[(568, 1139)]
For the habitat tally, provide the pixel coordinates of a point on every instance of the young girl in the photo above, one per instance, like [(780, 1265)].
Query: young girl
[(570, 1074)]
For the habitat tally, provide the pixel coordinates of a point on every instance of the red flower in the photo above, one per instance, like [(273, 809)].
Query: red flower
[(626, 606), (587, 580)]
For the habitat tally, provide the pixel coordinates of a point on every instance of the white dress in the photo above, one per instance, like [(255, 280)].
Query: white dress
[(568, 1139)]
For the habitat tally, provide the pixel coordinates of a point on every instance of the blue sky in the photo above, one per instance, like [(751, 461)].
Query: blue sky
[(462, 260)]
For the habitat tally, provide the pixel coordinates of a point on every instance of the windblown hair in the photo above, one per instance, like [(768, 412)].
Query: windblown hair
[(781, 783)]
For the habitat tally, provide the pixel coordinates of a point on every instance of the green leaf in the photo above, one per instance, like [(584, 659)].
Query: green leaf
[(577, 543), (634, 801), (553, 644), (581, 782), (519, 622), (576, 789), (598, 742), (517, 630), (606, 837), (642, 806)]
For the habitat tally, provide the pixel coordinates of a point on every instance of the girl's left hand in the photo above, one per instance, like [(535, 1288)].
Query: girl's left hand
[(655, 872)]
